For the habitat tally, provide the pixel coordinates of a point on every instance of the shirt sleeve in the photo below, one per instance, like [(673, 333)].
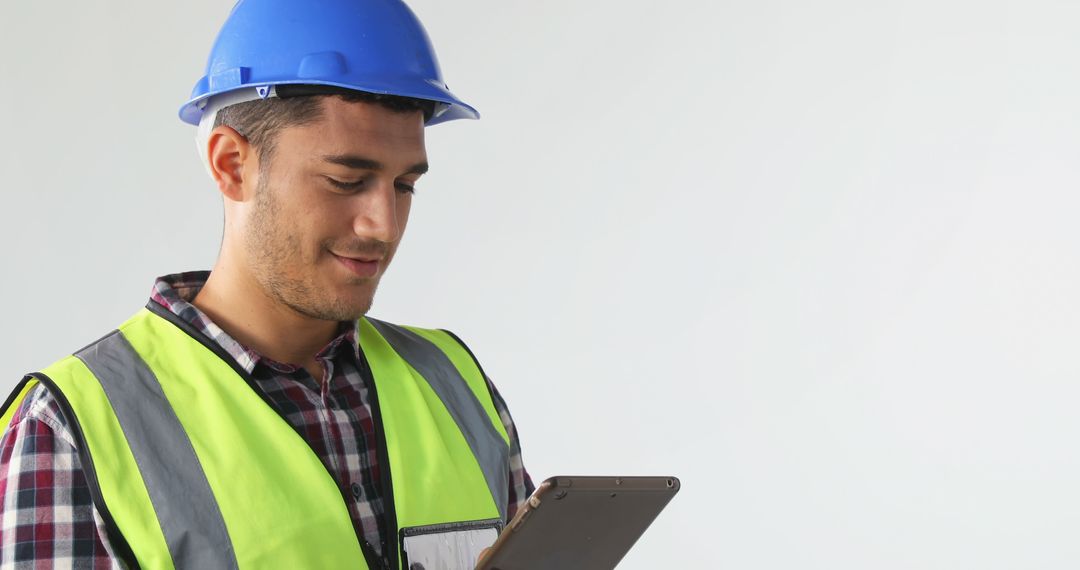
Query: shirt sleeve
[(521, 485), (48, 518)]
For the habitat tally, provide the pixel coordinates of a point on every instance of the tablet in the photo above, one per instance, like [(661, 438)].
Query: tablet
[(572, 523)]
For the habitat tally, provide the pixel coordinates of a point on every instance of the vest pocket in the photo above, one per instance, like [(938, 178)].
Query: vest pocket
[(448, 546)]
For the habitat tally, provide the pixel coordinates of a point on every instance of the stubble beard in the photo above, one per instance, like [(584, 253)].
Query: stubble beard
[(278, 264)]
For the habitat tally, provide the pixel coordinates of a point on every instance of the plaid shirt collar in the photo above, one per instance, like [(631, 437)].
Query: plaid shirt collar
[(175, 292)]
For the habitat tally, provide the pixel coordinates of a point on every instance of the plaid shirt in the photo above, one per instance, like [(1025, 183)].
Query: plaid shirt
[(50, 521)]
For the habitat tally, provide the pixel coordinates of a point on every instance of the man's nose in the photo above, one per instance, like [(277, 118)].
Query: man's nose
[(376, 216)]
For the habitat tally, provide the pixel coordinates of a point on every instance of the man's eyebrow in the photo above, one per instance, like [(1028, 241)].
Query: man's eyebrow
[(361, 163)]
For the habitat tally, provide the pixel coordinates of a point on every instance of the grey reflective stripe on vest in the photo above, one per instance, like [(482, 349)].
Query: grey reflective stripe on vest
[(484, 440), (183, 501)]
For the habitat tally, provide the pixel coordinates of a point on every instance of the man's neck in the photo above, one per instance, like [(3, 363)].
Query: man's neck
[(241, 307)]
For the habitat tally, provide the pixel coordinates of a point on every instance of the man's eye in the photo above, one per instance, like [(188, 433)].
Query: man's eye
[(346, 185), (353, 186)]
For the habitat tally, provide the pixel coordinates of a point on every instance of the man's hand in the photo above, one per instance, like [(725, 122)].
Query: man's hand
[(483, 554)]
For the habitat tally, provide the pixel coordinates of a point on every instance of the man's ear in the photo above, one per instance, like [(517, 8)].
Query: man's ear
[(228, 152)]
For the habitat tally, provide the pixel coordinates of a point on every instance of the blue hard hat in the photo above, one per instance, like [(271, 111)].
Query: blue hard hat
[(377, 46)]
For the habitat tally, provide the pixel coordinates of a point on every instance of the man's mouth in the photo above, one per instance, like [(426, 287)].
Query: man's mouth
[(365, 266)]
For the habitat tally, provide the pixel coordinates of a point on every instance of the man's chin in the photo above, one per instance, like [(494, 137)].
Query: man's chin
[(338, 310), (349, 303), (350, 312)]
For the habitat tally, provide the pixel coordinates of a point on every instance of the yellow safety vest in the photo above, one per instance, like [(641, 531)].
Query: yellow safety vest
[(191, 467)]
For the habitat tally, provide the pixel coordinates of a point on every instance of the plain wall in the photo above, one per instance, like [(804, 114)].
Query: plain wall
[(818, 259)]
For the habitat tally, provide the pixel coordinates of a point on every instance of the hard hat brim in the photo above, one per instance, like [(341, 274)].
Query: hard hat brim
[(191, 112)]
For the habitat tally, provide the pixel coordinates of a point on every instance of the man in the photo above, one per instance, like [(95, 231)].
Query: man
[(253, 416)]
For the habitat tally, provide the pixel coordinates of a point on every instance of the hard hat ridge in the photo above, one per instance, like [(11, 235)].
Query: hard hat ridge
[(377, 46)]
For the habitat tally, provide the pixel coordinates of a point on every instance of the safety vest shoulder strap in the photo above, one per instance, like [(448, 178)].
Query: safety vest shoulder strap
[(461, 433), (193, 468)]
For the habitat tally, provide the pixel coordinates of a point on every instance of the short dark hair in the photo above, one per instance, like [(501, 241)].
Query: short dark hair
[(261, 120)]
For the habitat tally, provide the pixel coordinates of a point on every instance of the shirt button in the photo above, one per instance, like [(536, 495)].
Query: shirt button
[(356, 491)]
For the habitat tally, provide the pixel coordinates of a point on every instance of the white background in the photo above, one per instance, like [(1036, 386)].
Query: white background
[(818, 259)]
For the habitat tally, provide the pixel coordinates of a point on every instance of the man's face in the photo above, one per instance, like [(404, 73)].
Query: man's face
[(331, 206)]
